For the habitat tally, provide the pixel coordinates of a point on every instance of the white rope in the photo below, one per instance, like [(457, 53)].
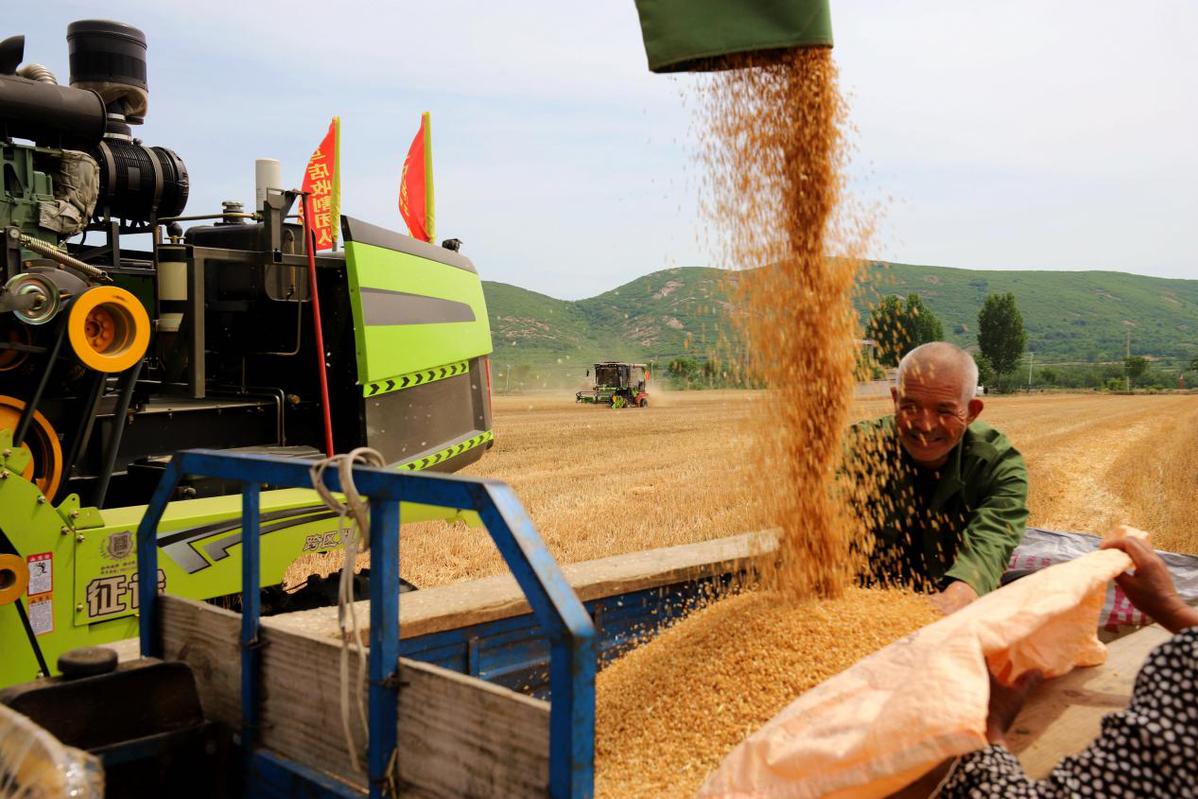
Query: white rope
[(354, 536)]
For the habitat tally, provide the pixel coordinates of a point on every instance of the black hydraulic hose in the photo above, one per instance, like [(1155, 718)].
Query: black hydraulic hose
[(118, 432), (18, 436), (299, 335), (83, 431)]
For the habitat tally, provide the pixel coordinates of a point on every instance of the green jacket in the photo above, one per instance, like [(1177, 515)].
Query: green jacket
[(960, 522)]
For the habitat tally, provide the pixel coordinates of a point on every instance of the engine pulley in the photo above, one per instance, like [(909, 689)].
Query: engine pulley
[(108, 328), (45, 467), (14, 578)]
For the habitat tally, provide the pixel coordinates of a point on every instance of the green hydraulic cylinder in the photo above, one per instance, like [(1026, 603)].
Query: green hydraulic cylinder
[(698, 35)]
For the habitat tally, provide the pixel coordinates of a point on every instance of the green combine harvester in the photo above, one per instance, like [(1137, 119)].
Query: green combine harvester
[(113, 358), (617, 384)]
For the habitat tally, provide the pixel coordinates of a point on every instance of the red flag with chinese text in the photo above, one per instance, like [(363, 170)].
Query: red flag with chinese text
[(322, 179), (416, 185)]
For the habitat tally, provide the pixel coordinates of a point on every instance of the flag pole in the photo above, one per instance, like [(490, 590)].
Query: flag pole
[(336, 180), (310, 247), (429, 205)]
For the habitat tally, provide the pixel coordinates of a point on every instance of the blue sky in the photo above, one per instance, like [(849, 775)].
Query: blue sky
[(1020, 134)]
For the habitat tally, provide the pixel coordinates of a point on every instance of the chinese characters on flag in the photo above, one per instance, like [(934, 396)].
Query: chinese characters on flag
[(322, 179), (416, 185)]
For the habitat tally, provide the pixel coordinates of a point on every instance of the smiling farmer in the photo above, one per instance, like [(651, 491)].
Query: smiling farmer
[(944, 495)]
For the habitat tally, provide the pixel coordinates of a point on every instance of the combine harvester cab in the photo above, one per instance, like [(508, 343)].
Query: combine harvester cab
[(113, 358)]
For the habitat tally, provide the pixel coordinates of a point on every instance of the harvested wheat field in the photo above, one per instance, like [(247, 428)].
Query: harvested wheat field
[(600, 482)]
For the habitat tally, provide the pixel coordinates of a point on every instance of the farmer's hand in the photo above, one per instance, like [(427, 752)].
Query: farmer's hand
[(956, 596), (1005, 704), (1150, 586)]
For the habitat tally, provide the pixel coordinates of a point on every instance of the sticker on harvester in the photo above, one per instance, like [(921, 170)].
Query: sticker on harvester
[(41, 574), (41, 615)]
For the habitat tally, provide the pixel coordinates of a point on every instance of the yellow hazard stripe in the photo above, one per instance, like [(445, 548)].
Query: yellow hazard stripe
[(400, 382), (448, 452)]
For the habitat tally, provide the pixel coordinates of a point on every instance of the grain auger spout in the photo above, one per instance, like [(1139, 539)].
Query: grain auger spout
[(708, 35)]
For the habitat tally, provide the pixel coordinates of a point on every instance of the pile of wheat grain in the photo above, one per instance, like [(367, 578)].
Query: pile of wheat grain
[(669, 711)]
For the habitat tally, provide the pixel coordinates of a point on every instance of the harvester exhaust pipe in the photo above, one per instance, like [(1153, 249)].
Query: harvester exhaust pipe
[(700, 35), (268, 177)]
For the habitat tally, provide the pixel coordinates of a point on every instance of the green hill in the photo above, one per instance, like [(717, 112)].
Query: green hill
[(656, 317), (1081, 316), (1069, 316)]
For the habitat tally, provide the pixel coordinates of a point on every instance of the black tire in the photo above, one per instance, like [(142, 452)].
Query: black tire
[(87, 661)]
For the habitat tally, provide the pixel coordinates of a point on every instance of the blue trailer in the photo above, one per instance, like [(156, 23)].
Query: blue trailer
[(484, 688), (241, 728)]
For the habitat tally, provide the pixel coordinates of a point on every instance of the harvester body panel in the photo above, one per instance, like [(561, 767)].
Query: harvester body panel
[(415, 306), (82, 584)]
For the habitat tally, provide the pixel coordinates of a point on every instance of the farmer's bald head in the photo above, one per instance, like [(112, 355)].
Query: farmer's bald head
[(940, 362), (934, 401)]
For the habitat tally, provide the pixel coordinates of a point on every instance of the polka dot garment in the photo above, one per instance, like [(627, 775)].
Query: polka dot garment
[(1148, 750)]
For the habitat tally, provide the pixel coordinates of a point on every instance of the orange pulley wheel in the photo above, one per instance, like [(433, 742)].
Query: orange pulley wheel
[(13, 333), (45, 468), (109, 329), (14, 577)]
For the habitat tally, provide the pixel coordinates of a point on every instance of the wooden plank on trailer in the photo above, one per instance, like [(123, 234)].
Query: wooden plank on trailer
[(126, 649), (471, 602), (451, 717), (459, 736), (206, 638), (1064, 715)]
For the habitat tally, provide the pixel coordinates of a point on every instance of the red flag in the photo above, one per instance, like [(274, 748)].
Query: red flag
[(416, 185), (322, 179)]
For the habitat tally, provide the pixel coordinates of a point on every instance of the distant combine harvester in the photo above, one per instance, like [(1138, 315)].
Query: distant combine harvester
[(617, 384)]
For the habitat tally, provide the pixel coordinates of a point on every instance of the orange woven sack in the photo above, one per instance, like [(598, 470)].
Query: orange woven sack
[(893, 716)]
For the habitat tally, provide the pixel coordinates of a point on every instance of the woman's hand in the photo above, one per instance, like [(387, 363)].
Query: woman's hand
[(1005, 703), (1150, 587)]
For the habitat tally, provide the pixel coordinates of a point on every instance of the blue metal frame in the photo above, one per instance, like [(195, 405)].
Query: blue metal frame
[(554, 604)]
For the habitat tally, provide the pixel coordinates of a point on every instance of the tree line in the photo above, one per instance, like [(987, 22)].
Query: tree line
[(897, 326)]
